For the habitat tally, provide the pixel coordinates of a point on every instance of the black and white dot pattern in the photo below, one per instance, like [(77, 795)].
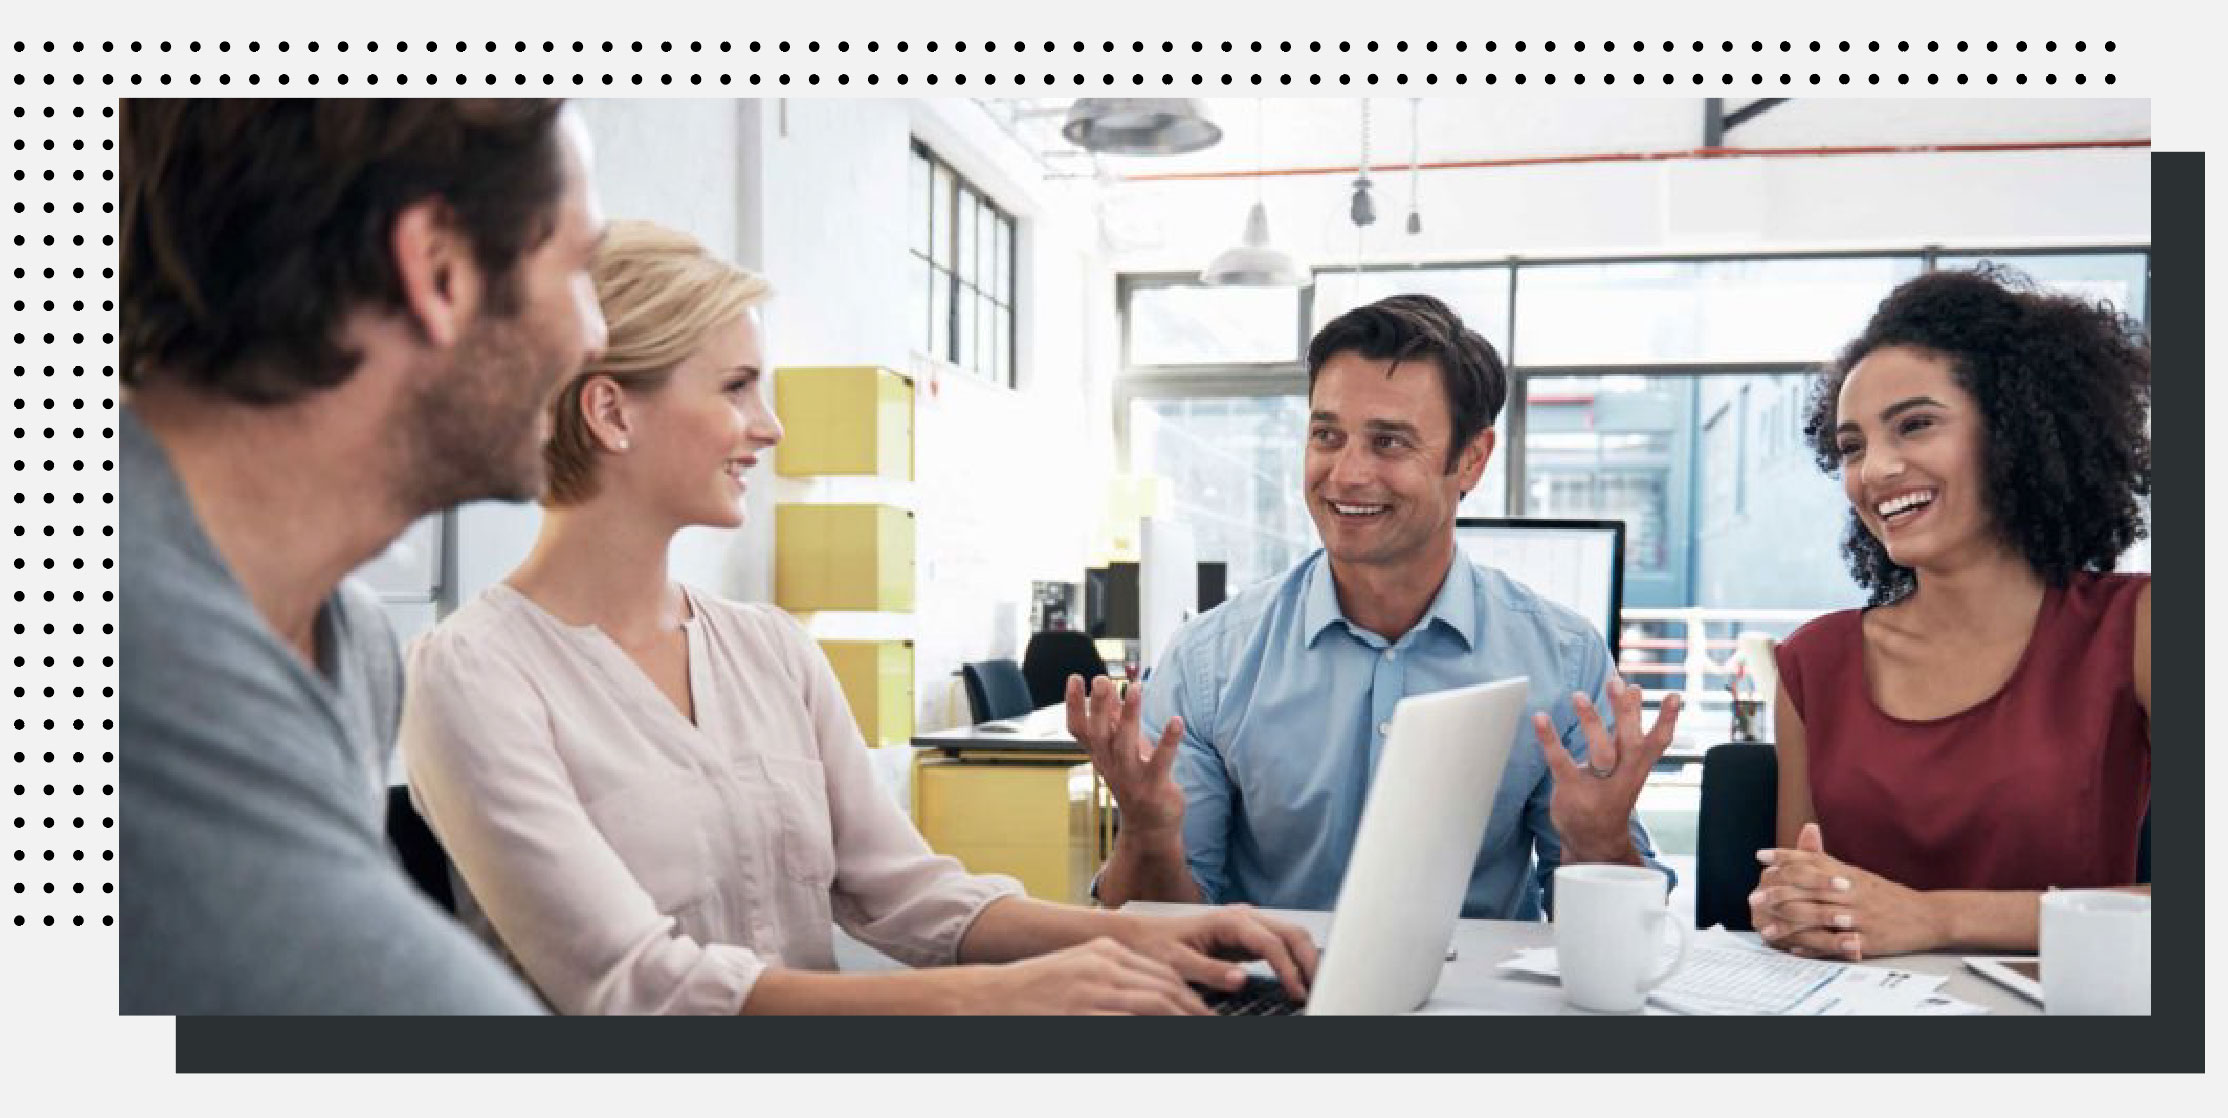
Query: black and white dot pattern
[(58, 768), (1019, 67)]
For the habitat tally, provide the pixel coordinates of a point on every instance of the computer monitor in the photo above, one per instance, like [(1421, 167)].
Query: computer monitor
[(1117, 602), (1094, 601), (1214, 584), (1575, 563)]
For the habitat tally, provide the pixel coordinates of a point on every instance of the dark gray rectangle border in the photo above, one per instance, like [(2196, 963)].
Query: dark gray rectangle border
[(2171, 1040)]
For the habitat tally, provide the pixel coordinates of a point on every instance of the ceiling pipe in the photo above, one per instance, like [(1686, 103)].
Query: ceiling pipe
[(1654, 157)]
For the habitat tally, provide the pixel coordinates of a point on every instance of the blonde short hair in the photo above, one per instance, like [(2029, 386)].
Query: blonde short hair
[(662, 292)]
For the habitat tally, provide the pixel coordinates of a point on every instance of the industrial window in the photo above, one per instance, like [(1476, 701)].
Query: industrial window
[(962, 260)]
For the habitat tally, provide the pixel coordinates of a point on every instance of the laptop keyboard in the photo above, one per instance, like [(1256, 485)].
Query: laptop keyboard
[(1259, 997)]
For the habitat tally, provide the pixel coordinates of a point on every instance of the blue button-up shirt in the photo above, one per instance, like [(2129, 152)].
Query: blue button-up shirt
[(1286, 704)]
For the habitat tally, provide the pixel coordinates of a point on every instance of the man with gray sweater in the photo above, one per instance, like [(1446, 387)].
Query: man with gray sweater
[(338, 317)]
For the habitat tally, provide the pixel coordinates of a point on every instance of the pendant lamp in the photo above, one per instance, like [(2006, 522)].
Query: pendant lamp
[(1140, 125)]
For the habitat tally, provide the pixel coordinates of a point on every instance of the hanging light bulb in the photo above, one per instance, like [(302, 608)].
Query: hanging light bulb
[(1254, 262), (1362, 208), (1415, 164)]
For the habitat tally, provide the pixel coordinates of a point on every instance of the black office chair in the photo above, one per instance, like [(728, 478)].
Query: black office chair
[(2143, 852), (1052, 657), (996, 689), (1740, 805), (420, 853)]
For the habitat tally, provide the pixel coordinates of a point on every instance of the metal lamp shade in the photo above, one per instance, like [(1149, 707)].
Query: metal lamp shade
[(1140, 125), (1254, 263)]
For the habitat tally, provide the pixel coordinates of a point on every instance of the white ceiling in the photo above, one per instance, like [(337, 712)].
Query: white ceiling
[(1282, 132)]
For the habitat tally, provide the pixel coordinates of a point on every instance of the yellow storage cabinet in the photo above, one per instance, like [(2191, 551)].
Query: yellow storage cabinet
[(1035, 821), (843, 557), (854, 421), (877, 679)]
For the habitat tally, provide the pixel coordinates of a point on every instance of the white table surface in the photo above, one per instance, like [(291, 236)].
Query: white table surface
[(1473, 982)]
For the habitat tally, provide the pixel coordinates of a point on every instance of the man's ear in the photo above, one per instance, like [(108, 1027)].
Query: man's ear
[(1471, 466), (440, 278)]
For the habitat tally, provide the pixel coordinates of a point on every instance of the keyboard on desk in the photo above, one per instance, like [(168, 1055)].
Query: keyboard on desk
[(1259, 997)]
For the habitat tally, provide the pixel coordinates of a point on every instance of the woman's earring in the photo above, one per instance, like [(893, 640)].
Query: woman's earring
[(622, 444)]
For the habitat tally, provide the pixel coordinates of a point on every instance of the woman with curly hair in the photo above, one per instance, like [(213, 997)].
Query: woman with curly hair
[(1980, 732)]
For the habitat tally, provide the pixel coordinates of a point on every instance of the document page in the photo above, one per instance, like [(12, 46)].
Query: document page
[(1724, 974)]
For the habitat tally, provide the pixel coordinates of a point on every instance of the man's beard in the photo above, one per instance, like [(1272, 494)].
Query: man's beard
[(469, 429)]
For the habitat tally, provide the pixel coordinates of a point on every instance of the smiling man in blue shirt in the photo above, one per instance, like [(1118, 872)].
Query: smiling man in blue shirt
[(1272, 708)]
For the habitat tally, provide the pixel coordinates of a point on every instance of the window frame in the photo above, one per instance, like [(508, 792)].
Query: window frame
[(1277, 378), (964, 286), (1136, 382), (1128, 284)]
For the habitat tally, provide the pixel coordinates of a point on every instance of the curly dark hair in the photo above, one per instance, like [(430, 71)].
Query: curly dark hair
[(252, 228), (2064, 389)]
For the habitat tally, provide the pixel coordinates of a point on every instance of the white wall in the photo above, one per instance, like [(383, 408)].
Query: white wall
[(674, 162), (1005, 488)]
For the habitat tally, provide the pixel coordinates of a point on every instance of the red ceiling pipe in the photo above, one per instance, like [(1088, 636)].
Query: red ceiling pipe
[(1649, 157)]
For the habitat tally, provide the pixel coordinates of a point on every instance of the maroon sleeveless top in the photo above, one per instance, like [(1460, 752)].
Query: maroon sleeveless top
[(2044, 783)]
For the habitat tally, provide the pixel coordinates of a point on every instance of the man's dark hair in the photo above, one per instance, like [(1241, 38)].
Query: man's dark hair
[(1408, 327), (2064, 390), (251, 229)]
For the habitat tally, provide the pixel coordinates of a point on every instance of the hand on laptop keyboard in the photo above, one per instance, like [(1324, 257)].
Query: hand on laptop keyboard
[(1190, 945), (1261, 996), (1101, 976)]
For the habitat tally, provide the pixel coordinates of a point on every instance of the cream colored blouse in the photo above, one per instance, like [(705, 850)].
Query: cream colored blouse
[(627, 861)]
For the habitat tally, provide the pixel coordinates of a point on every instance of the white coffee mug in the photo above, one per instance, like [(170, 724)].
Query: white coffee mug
[(1609, 924), (2096, 952)]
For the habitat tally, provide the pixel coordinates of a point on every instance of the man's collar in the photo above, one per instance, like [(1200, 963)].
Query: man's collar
[(1455, 606)]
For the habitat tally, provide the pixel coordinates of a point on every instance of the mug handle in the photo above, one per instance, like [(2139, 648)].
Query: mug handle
[(1664, 915)]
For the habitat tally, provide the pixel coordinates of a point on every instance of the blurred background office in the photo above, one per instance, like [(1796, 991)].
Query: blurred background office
[(1035, 382)]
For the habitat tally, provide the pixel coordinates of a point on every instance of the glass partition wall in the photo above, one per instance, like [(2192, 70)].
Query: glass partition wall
[(1665, 392)]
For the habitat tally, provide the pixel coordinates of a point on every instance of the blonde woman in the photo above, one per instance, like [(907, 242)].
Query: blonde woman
[(656, 799)]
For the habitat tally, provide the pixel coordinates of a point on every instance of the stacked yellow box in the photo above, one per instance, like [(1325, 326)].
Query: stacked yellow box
[(877, 680), (850, 421), (843, 557)]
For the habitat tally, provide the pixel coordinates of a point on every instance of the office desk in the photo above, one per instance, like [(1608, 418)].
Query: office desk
[(1041, 732), (1473, 982)]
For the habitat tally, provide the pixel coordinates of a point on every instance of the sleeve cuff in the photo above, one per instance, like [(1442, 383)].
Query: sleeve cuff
[(991, 887), (729, 975)]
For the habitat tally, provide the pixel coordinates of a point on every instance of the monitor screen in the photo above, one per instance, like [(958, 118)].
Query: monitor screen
[(1094, 601), (1120, 618), (1214, 584), (1574, 563)]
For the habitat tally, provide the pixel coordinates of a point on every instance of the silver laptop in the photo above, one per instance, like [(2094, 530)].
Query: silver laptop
[(1418, 844)]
